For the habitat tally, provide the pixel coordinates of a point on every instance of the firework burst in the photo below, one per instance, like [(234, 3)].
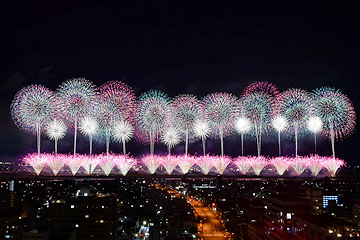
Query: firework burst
[(89, 126), (36, 161), (314, 125), (31, 108), (296, 106), (56, 130), (171, 138), (336, 112), (187, 110), (257, 103), (242, 126), (123, 132), (77, 98), (152, 115), (279, 124), (220, 111), (202, 130)]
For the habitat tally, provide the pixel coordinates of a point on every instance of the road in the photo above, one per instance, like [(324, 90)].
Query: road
[(210, 226)]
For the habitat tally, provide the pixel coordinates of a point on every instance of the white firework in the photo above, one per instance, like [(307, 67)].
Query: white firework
[(171, 138), (56, 130), (314, 125), (279, 124), (242, 126), (123, 132), (89, 126), (202, 129)]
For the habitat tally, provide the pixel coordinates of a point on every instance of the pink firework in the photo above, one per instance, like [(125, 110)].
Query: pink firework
[(281, 164), (243, 163), (169, 162), (185, 162), (56, 162), (124, 163), (299, 164), (314, 164), (106, 163), (36, 161), (206, 163), (332, 165), (221, 163), (258, 164), (89, 163), (152, 162), (74, 163)]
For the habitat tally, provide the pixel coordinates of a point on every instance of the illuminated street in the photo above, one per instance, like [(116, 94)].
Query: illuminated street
[(210, 226)]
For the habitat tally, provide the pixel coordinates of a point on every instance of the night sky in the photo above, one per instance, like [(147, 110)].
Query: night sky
[(180, 47)]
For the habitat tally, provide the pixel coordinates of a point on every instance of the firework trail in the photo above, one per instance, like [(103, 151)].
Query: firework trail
[(201, 129), (187, 110), (123, 132), (336, 112), (314, 125), (257, 104), (220, 111), (281, 164), (124, 163), (152, 115), (89, 126), (296, 106), (279, 124), (76, 97), (242, 126), (171, 138), (56, 130), (31, 107)]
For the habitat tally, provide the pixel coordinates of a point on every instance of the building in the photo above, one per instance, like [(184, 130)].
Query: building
[(279, 212), (93, 217)]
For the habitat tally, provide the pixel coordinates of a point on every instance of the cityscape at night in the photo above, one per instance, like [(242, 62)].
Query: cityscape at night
[(179, 120)]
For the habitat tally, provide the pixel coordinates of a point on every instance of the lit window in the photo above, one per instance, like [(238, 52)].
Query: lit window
[(86, 216), (72, 206), (101, 221), (76, 225), (288, 215)]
